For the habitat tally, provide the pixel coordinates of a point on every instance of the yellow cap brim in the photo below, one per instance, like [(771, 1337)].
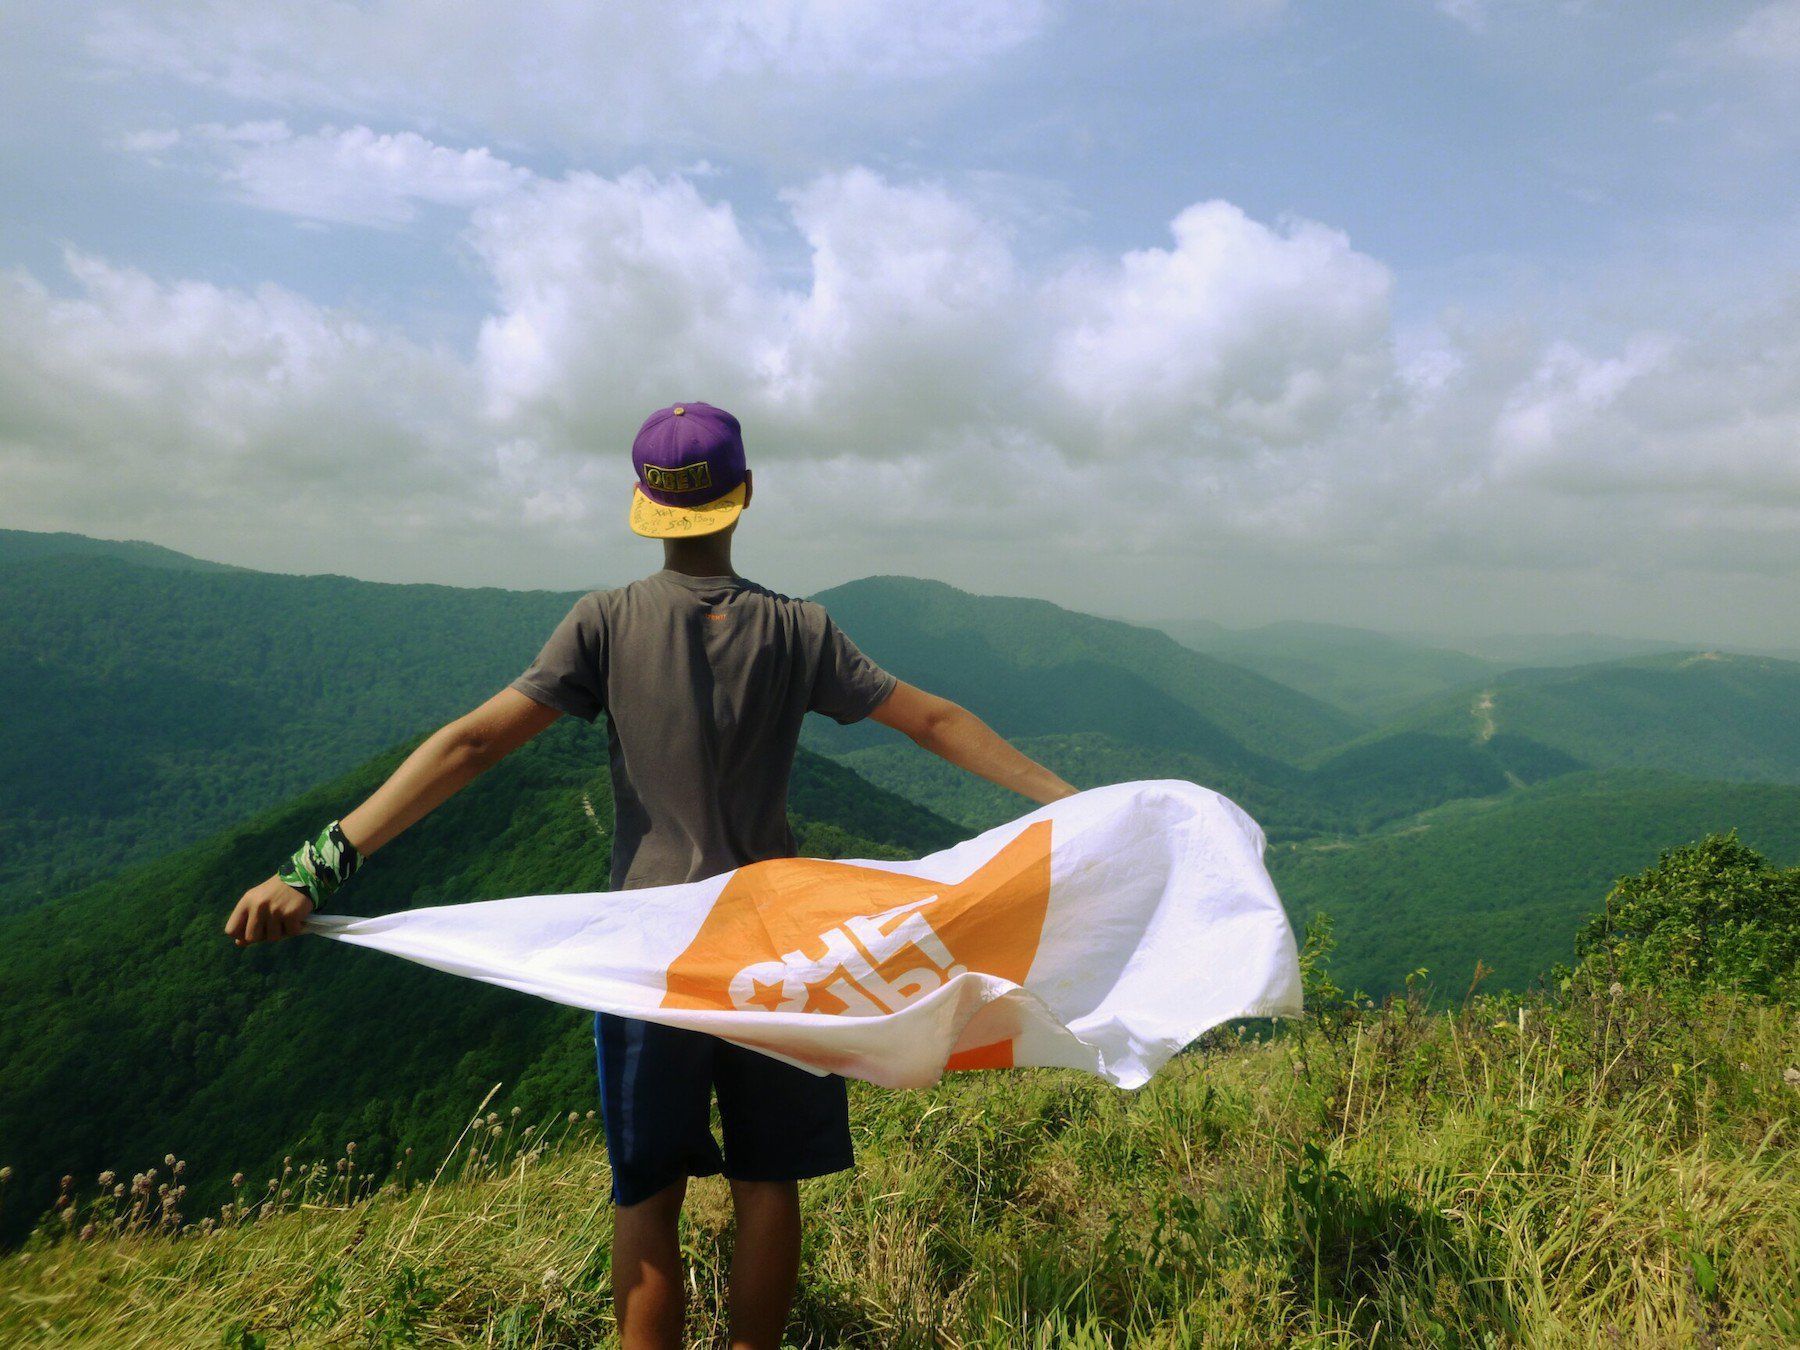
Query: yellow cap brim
[(653, 520)]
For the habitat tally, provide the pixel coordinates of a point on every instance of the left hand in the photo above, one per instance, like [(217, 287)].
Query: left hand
[(268, 913)]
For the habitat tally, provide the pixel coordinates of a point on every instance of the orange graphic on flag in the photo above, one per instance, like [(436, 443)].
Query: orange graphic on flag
[(802, 935)]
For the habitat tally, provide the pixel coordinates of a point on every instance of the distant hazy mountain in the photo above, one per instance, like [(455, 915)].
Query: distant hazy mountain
[(1373, 675), (134, 1028), (1380, 675), (1505, 880), (1555, 649), (1710, 714)]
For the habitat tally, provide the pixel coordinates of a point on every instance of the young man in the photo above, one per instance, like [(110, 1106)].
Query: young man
[(704, 678)]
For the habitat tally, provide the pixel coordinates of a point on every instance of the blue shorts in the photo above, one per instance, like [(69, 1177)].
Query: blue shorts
[(656, 1089)]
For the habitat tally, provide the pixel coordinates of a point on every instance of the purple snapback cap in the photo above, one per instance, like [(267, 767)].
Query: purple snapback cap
[(688, 454)]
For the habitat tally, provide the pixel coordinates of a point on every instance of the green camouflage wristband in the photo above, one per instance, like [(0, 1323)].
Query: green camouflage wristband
[(321, 865)]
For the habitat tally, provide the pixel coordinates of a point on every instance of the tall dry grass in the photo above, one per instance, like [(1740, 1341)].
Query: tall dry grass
[(1590, 1168)]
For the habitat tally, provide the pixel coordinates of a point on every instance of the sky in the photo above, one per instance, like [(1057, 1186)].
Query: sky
[(1465, 315)]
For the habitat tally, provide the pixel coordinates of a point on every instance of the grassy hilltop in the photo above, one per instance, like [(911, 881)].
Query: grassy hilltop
[(1602, 1168), (1608, 1162)]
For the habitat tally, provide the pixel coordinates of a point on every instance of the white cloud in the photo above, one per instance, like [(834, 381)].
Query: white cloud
[(919, 324), (567, 70), (185, 399), (616, 295), (870, 39), (1237, 393), (915, 303), (1704, 426), (150, 143), (350, 175), (1566, 395), (1238, 332)]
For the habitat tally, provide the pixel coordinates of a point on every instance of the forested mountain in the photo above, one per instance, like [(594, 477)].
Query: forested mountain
[(154, 699), (1369, 674), (1505, 880), (1035, 668), (1098, 700), (1710, 714), (149, 702), (30, 545), (1362, 788), (1101, 702), (134, 1027)]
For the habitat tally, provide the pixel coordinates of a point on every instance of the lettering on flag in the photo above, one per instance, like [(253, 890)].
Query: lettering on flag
[(805, 935)]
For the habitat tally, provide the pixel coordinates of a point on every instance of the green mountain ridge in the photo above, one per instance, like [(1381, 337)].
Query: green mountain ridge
[(135, 1028), (1101, 701), (1709, 714), (31, 545), (1364, 787), (157, 705), (150, 702), (153, 702), (966, 646), (1504, 880)]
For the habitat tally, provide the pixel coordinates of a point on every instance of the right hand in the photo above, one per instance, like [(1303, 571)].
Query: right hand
[(268, 913)]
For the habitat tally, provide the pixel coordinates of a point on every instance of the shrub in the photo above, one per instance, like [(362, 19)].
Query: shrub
[(1709, 915)]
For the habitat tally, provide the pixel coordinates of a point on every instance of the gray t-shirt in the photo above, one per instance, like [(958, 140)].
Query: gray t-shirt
[(704, 682)]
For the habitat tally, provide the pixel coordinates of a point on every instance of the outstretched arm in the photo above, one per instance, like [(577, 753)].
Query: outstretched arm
[(446, 761), (952, 732)]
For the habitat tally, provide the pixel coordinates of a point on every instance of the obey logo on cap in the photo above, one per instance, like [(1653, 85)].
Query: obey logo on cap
[(689, 459), (688, 478)]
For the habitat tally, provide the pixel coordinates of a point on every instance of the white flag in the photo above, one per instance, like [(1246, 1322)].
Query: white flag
[(1103, 932)]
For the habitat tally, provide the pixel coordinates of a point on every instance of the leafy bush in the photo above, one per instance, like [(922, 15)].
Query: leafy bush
[(1710, 915)]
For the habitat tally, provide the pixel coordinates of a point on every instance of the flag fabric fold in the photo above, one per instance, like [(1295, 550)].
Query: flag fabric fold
[(1104, 932)]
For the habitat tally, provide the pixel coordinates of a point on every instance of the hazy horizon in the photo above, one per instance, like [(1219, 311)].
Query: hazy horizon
[(1451, 639)]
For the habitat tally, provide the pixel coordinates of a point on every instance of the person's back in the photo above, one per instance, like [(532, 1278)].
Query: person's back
[(704, 681)]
